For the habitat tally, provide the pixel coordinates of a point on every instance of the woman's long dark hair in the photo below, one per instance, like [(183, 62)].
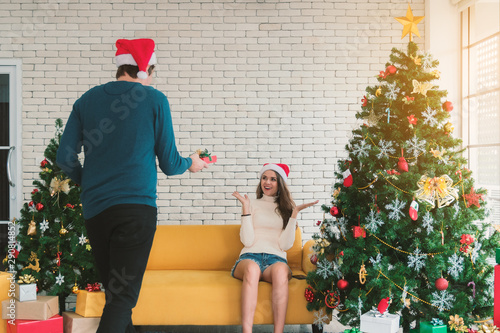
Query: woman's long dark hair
[(283, 199)]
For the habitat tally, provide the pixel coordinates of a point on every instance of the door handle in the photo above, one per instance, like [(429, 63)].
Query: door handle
[(9, 176)]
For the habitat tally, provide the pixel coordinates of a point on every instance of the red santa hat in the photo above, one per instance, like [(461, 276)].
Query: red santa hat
[(136, 52), (282, 169)]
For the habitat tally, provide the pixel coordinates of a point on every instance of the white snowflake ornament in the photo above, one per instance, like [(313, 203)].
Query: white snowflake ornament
[(428, 222), (416, 260), (443, 300), (373, 221), (395, 207), (320, 318), (457, 265), (60, 279), (82, 240)]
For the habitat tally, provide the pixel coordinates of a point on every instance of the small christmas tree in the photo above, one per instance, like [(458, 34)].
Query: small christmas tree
[(52, 235), (401, 221)]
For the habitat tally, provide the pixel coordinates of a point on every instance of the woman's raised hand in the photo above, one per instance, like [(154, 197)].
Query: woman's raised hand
[(298, 208), (245, 202)]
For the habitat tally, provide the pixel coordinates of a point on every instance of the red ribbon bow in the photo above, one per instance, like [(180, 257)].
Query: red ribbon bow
[(93, 287)]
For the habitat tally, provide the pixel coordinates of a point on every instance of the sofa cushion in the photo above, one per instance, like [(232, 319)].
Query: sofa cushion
[(190, 297), (205, 247)]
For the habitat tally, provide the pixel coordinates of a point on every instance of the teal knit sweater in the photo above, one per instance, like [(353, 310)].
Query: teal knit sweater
[(122, 127)]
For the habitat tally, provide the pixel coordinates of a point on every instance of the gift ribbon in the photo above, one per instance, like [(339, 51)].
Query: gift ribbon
[(436, 322), (27, 279), (93, 287), (205, 154), (353, 330)]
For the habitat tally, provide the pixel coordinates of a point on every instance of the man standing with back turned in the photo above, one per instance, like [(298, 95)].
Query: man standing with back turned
[(122, 127)]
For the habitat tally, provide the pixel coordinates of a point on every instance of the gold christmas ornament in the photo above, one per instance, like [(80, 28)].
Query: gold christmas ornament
[(32, 228), (448, 128), (36, 266), (88, 247), (75, 289), (378, 92), (421, 88), (372, 119), (409, 23), (438, 190), (59, 185), (362, 274), (63, 230)]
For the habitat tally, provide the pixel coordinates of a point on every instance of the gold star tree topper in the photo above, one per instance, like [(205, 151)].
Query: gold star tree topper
[(409, 23)]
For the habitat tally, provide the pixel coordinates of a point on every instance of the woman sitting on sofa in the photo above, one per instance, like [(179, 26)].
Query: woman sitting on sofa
[(267, 231)]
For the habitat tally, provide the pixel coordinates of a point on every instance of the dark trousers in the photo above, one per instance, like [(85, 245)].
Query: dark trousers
[(121, 238)]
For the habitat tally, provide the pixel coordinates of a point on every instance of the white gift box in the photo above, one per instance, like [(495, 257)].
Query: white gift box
[(25, 292), (389, 323)]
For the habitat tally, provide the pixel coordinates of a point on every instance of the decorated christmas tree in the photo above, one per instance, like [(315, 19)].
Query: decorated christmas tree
[(406, 222), (54, 246)]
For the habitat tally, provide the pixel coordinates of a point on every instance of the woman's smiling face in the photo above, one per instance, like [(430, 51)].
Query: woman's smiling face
[(269, 183)]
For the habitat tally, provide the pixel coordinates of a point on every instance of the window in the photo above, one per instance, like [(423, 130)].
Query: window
[(480, 81)]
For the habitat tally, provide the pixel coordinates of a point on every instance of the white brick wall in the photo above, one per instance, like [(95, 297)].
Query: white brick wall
[(253, 81)]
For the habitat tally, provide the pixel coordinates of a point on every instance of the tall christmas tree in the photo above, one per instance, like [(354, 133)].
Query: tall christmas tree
[(52, 235), (401, 224)]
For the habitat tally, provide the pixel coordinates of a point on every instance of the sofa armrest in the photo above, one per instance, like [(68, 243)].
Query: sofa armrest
[(307, 252)]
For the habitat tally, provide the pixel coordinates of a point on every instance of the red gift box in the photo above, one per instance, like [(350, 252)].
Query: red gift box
[(209, 159), (496, 310), (51, 325), (359, 232)]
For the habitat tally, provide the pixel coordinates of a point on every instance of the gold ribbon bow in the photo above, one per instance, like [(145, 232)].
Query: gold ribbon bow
[(26, 279), (457, 323)]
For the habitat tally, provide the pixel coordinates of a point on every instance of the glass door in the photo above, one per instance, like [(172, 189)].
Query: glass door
[(10, 149)]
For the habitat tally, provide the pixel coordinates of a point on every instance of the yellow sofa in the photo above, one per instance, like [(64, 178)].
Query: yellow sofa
[(188, 279)]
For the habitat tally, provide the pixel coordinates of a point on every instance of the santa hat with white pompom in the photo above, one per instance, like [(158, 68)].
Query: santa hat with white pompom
[(136, 52)]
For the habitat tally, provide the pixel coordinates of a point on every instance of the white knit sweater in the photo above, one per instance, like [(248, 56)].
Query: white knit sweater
[(262, 231)]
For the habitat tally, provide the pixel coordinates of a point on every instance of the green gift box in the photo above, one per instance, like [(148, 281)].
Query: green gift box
[(427, 327), (498, 255)]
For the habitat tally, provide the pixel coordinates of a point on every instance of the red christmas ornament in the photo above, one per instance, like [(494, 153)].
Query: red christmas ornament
[(347, 178), (334, 211), (448, 106), (39, 206), (383, 305), (412, 120), (70, 206), (309, 295), (332, 300), (441, 284), (402, 164), (34, 191), (391, 70), (414, 210), (314, 259), (342, 284), (44, 163), (58, 260), (473, 198)]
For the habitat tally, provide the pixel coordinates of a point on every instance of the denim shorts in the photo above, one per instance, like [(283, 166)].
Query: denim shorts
[(264, 260)]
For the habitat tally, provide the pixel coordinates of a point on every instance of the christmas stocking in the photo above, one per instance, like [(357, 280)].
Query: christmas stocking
[(347, 178)]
